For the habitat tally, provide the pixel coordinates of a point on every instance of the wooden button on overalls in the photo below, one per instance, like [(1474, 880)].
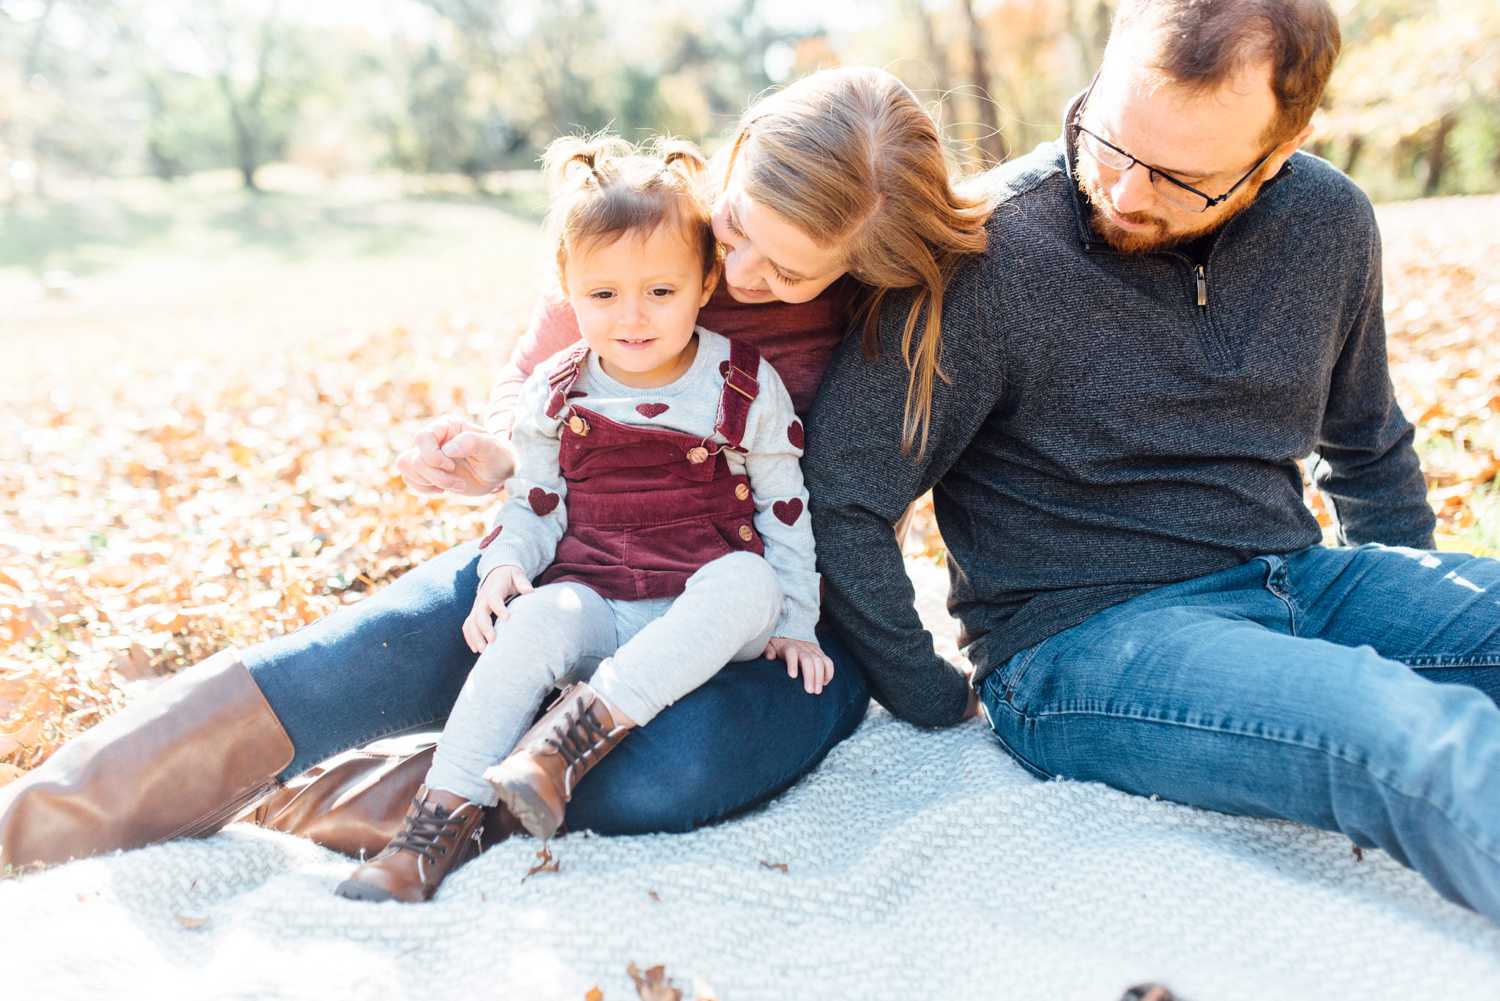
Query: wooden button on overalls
[(742, 492), (746, 533)]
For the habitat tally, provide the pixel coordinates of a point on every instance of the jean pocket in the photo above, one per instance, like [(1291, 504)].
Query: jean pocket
[(1008, 723), (1278, 582), (1010, 676)]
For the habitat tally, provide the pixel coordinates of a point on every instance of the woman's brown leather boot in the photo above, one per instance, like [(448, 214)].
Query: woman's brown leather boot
[(181, 761), (356, 802), (537, 780), (441, 832)]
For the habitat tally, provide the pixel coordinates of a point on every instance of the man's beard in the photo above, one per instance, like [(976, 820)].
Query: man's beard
[(1160, 236)]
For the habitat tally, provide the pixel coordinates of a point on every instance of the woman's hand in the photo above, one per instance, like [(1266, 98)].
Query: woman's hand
[(499, 586), (816, 666), (455, 455)]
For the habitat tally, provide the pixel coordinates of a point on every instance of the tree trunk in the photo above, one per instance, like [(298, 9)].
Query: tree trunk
[(34, 49), (1090, 29), (1103, 20), (164, 166), (990, 140), (246, 154), (245, 110), (1437, 154), (941, 75), (1352, 154), (25, 137)]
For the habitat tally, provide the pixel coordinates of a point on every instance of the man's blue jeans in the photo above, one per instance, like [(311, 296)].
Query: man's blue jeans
[(1350, 689), (395, 662)]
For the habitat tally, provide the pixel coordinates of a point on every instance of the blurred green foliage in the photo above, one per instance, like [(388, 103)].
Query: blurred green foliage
[(471, 87)]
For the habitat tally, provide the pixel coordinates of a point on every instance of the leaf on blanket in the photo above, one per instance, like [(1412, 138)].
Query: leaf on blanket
[(1149, 992), (133, 663), (1359, 853), (655, 897), (28, 735), (192, 921), (778, 866), (653, 985), (544, 863)]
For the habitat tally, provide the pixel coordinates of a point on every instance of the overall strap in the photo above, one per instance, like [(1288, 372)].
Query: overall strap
[(563, 375), (740, 390)]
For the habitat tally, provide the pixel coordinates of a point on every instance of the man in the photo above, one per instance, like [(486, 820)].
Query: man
[(1175, 307)]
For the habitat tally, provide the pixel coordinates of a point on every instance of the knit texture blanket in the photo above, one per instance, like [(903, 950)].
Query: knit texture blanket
[(910, 864)]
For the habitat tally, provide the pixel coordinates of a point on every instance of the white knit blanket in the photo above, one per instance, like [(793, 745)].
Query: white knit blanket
[(916, 865)]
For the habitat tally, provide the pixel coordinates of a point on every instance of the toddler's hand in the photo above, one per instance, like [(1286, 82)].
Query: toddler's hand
[(502, 584), (816, 666)]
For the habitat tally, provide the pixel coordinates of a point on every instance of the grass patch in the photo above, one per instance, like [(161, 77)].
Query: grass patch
[(143, 275)]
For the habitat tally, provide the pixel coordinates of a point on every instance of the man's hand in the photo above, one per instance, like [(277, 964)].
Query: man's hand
[(455, 455), (971, 707), (816, 666), (499, 586)]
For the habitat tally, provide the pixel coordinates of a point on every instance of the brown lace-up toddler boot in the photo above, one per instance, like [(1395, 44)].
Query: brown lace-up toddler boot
[(536, 781), (441, 832)]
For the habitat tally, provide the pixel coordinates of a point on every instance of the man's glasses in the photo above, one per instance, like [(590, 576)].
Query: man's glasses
[(1169, 189)]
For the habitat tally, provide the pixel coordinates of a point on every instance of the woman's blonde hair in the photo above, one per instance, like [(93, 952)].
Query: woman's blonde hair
[(604, 187), (851, 159)]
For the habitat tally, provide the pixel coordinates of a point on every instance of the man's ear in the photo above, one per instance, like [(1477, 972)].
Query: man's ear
[(1284, 152)]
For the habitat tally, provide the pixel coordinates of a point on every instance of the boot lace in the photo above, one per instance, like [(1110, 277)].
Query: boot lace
[(428, 833), (577, 735)]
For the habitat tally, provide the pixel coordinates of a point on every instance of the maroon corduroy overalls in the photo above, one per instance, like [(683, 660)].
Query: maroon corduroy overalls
[(648, 506)]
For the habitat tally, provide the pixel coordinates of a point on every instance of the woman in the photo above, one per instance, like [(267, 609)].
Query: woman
[(833, 192)]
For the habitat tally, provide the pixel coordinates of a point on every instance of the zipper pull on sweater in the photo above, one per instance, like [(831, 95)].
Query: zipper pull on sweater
[(1202, 288)]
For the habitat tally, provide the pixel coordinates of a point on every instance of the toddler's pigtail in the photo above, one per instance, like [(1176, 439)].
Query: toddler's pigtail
[(686, 162), (683, 158), (574, 162), (565, 159), (602, 186)]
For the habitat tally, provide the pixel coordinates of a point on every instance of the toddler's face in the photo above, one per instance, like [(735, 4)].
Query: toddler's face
[(637, 300)]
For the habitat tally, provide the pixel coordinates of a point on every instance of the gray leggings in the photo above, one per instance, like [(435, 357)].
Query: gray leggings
[(640, 656)]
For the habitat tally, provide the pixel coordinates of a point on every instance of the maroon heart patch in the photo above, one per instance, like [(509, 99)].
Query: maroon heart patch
[(491, 537), (651, 409), (788, 511), (795, 436), (542, 502)]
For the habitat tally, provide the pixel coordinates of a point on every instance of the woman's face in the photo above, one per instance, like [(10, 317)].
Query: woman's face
[(766, 258)]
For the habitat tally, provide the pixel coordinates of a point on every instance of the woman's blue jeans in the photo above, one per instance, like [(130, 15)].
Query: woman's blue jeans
[(395, 662), (1350, 689)]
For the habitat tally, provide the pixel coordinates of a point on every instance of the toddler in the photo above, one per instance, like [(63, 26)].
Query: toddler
[(656, 527)]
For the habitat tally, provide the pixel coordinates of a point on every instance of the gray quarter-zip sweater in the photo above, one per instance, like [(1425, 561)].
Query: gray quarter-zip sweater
[(1111, 423)]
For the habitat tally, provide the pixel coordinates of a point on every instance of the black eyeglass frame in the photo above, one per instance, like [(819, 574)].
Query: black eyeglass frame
[(1209, 201)]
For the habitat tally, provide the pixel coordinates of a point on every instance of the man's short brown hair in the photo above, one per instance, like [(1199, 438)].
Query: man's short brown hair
[(1201, 43)]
